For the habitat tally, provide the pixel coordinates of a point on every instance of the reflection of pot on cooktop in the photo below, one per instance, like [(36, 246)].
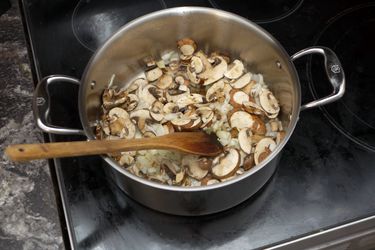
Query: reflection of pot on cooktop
[(195, 231), (94, 21), (351, 35)]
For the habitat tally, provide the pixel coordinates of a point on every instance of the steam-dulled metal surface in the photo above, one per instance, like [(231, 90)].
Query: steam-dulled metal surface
[(323, 179)]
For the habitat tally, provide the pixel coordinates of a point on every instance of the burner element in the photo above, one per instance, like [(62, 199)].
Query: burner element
[(351, 35), (263, 11), (94, 21)]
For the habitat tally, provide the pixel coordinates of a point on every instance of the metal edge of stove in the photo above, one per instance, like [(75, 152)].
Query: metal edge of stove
[(333, 238), (357, 234)]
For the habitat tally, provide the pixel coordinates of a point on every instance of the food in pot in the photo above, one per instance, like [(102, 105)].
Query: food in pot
[(189, 90)]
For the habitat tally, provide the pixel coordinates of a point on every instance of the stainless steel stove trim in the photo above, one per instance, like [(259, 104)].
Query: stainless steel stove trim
[(359, 234)]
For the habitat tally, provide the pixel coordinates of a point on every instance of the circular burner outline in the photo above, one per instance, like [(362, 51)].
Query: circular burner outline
[(269, 20), (74, 14), (314, 92)]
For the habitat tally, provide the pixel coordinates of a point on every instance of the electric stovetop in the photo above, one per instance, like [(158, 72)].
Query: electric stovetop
[(324, 186)]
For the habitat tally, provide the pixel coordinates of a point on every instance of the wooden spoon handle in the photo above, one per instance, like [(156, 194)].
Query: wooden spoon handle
[(25, 152), (188, 142)]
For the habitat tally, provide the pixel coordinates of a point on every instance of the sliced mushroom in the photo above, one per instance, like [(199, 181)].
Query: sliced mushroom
[(192, 75), (208, 180), (248, 162), (190, 162), (170, 107), (234, 132), (214, 90), (115, 126), (247, 88), (263, 149), (237, 98), (111, 98), (235, 70), (224, 137), (253, 108), (168, 128), (182, 122), (184, 88), (181, 80), (191, 112), (156, 111), (180, 176), (204, 163), (227, 164), (123, 128), (148, 134), (155, 128), (173, 95), (196, 64), (212, 181), (244, 139), (157, 93), (274, 125), (170, 168), (259, 127), (242, 81), (241, 119), (154, 74), (280, 136), (165, 81), (256, 138), (196, 124), (189, 99), (187, 46), (145, 97), (216, 73), (118, 112), (140, 82), (172, 116), (131, 103), (207, 114), (141, 113), (269, 102), (204, 59), (174, 64), (271, 116), (141, 116), (105, 127)]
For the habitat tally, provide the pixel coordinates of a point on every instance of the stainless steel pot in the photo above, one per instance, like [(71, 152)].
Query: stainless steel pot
[(213, 30)]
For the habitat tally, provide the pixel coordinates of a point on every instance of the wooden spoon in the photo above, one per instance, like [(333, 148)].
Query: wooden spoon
[(198, 143)]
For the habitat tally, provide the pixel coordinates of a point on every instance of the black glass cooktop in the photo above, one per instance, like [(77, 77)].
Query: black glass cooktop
[(327, 170)]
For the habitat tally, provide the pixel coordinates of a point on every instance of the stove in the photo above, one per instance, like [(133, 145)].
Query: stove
[(322, 193)]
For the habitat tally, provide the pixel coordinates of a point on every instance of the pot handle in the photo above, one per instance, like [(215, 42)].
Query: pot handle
[(334, 71), (41, 108)]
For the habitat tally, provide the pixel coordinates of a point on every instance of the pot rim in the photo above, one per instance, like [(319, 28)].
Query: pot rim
[(183, 10)]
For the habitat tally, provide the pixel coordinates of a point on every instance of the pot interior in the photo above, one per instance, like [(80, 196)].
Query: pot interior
[(213, 30)]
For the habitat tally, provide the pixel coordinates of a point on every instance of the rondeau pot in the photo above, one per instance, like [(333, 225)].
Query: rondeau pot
[(213, 30)]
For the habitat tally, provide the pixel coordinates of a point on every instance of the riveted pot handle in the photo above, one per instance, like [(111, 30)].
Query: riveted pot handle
[(41, 102), (334, 71)]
